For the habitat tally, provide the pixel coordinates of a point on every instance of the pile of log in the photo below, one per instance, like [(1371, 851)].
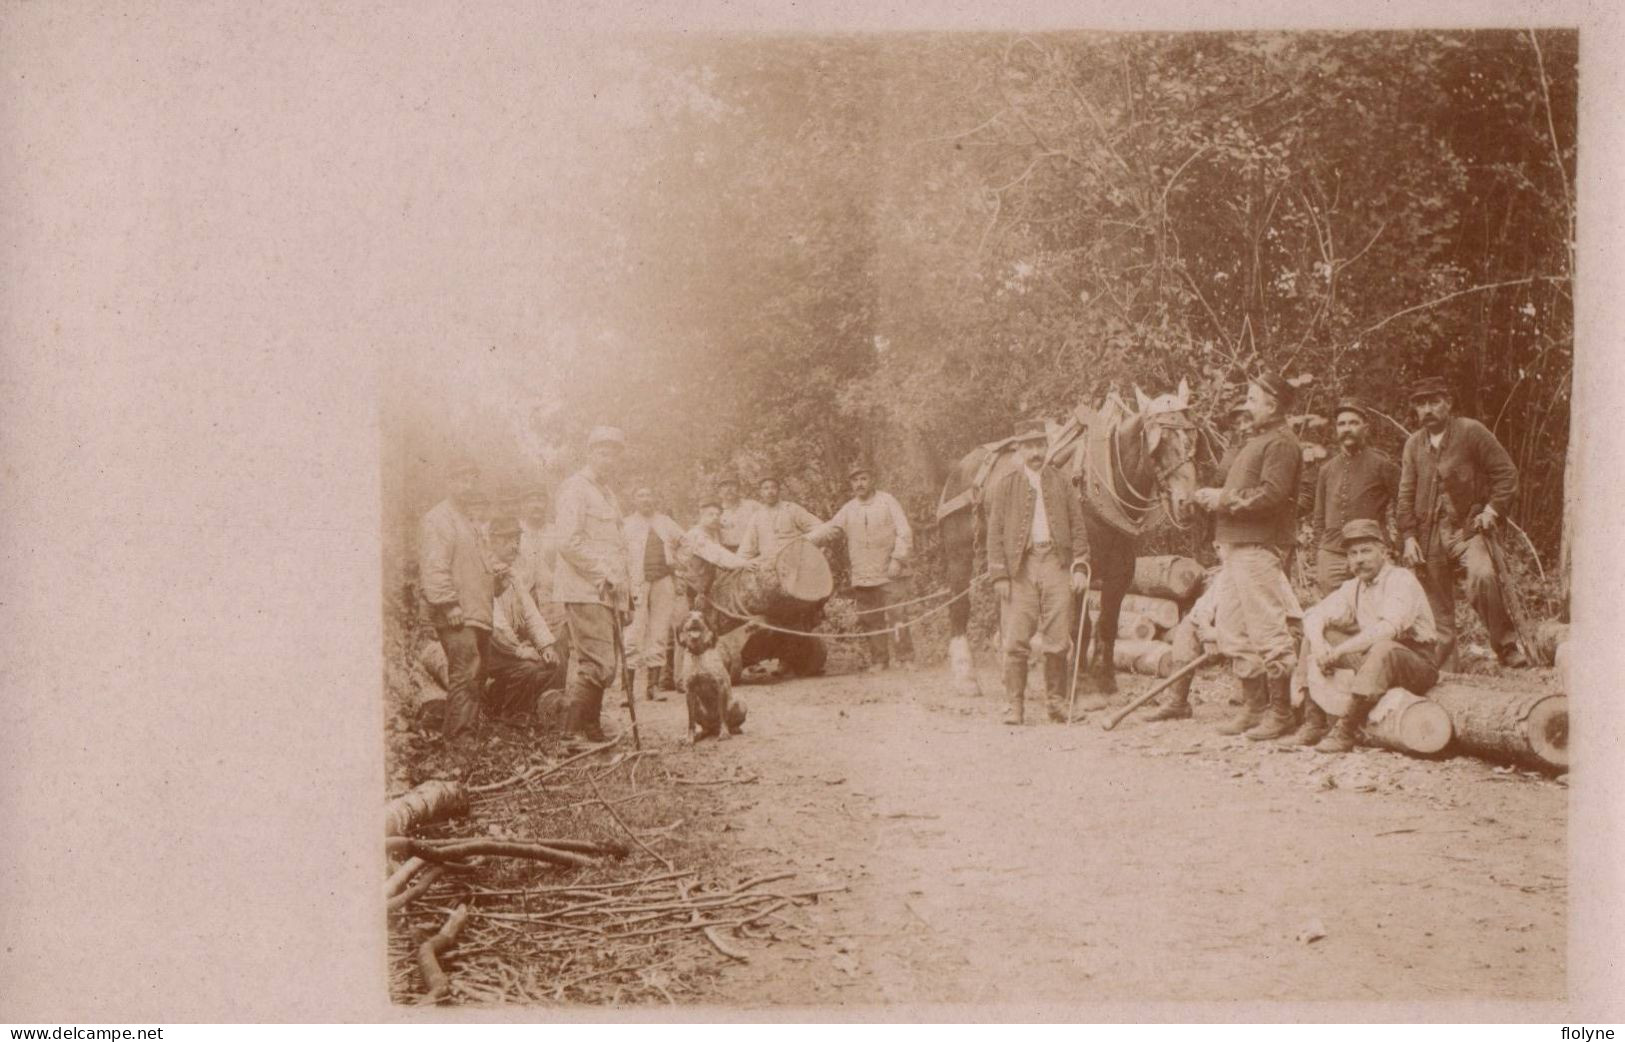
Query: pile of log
[(1513, 720), (1161, 591)]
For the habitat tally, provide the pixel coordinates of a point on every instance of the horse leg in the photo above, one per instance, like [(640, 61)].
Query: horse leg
[(1116, 562), (959, 553)]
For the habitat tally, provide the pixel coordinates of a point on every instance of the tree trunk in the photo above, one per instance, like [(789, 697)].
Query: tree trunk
[(798, 580), (1163, 612), (1171, 576), (1408, 723), (430, 802), (1506, 721), (1148, 658)]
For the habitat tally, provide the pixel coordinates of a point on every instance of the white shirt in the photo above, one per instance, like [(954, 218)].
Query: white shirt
[(1393, 605), (1040, 532), (1436, 439)]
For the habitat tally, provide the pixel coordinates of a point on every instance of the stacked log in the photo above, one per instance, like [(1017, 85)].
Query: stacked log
[(1163, 613), (1408, 723), (1148, 658), (1507, 721), (1170, 576)]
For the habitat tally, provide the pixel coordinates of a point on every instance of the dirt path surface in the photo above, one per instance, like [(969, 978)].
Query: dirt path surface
[(1063, 864)]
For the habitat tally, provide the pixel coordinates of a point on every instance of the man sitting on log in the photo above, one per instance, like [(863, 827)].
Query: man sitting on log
[(1386, 635), (700, 555), (878, 540), (776, 523), (524, 661)]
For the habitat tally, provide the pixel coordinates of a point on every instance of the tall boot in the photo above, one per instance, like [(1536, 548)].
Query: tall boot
[(1015, 688), (1055, 686), (1347, 732), (1280, 719), (653, 683), (1178, 704), (640, 684), (1254, 697), (1315, 724)]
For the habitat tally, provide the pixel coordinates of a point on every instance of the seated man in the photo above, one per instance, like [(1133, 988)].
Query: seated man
[(524, 662), (700, 556), (1384, 630)]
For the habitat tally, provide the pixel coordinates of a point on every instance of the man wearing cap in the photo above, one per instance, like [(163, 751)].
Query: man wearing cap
[(777, 522), (878, 540), (736, 512), (536, 563), (1455, 485), (456, 580), (1256, 520), (701, 556), (1357, 483), (524, 660), (1035, 540), (1379, 624), (651, 547), (592, 578)]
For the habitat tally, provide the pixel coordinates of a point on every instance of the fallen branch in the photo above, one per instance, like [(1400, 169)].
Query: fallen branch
[(715, 781), (490, 848), (578, 846), (429, 953), (432, 801), (416, 890), (531, 773), (716, 942), (626, 828), (393, 884)]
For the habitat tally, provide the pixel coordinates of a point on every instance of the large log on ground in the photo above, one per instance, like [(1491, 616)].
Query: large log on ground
[(1162, 612), (1130, 626), (1177, 578), (796, 583), (430, 802), (1506, 720), (1408, 723), (1148, 658)]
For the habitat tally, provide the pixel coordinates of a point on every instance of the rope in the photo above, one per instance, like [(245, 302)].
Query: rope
[(864, 634), (901, 604)]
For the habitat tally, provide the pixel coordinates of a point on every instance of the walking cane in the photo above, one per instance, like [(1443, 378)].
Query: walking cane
[(620, 671), (1077, 644)]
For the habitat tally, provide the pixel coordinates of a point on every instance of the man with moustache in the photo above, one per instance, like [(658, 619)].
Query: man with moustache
[(776, 522), (592, 577), (878, 540), (456, 580), (524, 661), (701, 556), (1359, 483), (1455, 486)]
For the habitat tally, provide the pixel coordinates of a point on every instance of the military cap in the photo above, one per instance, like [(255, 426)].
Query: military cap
[(1031, 430), (1428, 387), (1275, 386), (505, 525), (1353, 405), (856, 469), (1362, 530)]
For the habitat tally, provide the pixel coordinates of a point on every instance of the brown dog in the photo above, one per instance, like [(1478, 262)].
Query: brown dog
[(706, 683)]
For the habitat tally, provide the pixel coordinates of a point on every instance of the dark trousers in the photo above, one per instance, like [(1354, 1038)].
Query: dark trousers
[(1331, 570), (592, 642), (1452, 552), (466, 650), (518, 683), (873, 600)]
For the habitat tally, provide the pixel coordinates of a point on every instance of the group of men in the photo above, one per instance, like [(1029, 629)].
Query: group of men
[(1393, 626), (523, 605)]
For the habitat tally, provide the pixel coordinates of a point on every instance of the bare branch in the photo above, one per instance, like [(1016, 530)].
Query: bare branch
[(1458, 293)]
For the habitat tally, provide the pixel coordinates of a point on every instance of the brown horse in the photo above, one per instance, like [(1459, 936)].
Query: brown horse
[(1131, 468)]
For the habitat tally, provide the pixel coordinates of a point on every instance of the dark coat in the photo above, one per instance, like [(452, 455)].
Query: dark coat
[(1259, 503), (1470, 466), (1010, 507)]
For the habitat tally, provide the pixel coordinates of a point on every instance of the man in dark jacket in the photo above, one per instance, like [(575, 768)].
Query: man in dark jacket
[(1359, 483), (1035, 536), (1455, 485), (1256, 518)]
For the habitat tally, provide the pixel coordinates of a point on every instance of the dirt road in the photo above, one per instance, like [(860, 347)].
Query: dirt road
[(1062, 864)]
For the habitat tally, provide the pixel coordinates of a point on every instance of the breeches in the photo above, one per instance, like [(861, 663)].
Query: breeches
[(1252, 613), (1040, 602)]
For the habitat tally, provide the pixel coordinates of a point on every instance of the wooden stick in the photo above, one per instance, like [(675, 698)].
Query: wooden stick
[(531, 773), (1177, 675), (494, 848), (577, 846), (430, 951), (416, 890), (393, 884), (625, 827)]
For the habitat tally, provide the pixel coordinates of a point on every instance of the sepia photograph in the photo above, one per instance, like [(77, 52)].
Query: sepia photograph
[(977, 518)]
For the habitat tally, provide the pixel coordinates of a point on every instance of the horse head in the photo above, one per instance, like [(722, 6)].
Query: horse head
[(1170, 439)]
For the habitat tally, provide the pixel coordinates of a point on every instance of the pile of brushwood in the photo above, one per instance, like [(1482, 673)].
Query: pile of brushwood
[(553, 872)]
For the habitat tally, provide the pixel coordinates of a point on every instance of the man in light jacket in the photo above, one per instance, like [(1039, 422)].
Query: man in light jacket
[(777, 522), (878, 541), (592, 579), (651, 551), (456, 580)]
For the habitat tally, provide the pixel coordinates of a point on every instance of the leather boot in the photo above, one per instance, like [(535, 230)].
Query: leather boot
[(1280, 720), (654, 684), (1254, 697), (1055, 687), (1315, 724), (1015, 689), (1178, 704), (1347, 732)]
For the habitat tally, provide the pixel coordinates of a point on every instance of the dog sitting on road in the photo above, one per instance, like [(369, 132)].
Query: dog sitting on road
[(706, 683)]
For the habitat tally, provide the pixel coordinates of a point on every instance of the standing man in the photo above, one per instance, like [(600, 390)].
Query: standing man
[(457, 583), (1456, 484), (700, 556), (524, 662), (1256, 519), (536, 563), (1359, 483), (878, 540), (592, 578), (736, 512), (651, 548), (1383, 629), (1035, 536), (777, 522)]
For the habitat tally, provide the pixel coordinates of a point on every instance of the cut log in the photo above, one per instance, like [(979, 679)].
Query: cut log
[(796, 584), (1408, 723), (1135, 627), (1176, 578), (430, 802), (1162, 612), (1506, 720), (1148, 658)]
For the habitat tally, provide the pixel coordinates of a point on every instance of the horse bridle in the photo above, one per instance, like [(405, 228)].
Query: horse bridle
[(1160, 493)]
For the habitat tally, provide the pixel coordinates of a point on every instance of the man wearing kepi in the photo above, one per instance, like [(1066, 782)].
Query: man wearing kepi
[(1377, 623), (456, 581), (1359, 482), (878, 540), (1035, 536), (524, 662), (651, 547), (592, 578), (1456, 484), (1255, 519)]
